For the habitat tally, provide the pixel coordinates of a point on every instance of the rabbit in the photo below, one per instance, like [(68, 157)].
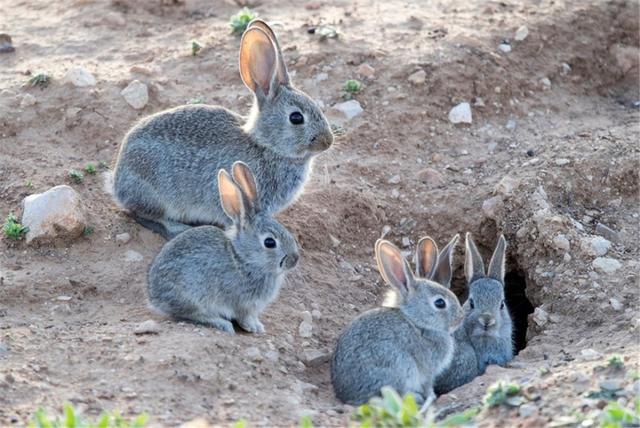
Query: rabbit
[(404, 346), (212, 276), (486, 335), (167, 161)]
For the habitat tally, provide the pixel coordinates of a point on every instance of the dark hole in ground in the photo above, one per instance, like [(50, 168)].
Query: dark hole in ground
[(519, 306)]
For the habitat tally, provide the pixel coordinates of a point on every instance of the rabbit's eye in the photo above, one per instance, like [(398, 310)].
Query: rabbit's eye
[(440, 303), (471, 304), (296, 118), (270, 243), (502, 305)]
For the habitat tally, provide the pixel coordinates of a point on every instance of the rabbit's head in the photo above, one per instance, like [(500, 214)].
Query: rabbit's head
[(486, 313), (259, 241), (283, 118), (425, 303)]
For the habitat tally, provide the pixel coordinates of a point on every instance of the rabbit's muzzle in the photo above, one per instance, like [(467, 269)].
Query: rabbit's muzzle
[(289, 261), (486, 321), (321, 142)]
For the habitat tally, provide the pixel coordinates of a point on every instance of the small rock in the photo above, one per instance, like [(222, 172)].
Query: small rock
[(316, 314), (394, 180), (595, 246), (418, 78), (479, 102), (560, 242), (546, 83), (521, 33), (63, 298), (590, 354), (314, 357), (321, 77), (607, 233), (136, 94), (335, 242), (606, 265), (611, 384), (305, 329), (562, 162), (254, 354), (540, 317), (6, 45), (56, 213), (347, 110), (616, 304), (492, 208), (406, 242), (147, 327), (28, 100), (366, 70), (511, 124), (123, 238), (566, 68), (431, 177), (80, 77), (141, 69), (506, 186), (461, 113), (307, 317), (133, 256), (527, 409), (626, 57), (505, 47)]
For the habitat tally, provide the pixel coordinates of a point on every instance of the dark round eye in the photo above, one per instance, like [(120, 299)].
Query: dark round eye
[(471, 305), (502, 305), (440, 303), (296, 118), (270, 243)]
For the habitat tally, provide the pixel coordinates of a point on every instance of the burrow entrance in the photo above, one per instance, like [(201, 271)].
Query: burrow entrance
[(519, 306)]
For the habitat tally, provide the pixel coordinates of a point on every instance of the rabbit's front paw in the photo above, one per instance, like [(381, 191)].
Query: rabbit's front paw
[(252, 325)]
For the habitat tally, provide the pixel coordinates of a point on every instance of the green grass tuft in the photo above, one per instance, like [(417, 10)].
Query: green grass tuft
[(241, 20), (503, 393), (195, 47), (13, 229), (616, 363), (72, 419), (40, 79), (76, 176), (90, 169)]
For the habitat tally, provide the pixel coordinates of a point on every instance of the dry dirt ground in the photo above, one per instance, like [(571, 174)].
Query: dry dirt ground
[(83, 350)]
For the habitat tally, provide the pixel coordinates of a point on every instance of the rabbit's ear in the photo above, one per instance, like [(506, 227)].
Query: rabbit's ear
[(473, 264), (283, 74), (426, 257), (393, 267), (257, 61), (496, 266), (442, 275), (244, 178), (231, 197)]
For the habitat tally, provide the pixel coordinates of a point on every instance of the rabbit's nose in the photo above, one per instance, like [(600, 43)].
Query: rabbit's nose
[(321, 142), (289, 261), (486, 320)]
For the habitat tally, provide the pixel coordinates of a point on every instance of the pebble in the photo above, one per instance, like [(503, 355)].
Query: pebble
[(566, 68), (562, 162), (136, 94), (141, 69), (133, 256), (511, 124), (607, 233), (546, 83), (595, 246), (492, 208), (80, 77), (254, 354), (314, 357), (406, 242), (123, 238), (394, 180), (506, 186), (560, 242), (590, 354), (527, 409), (366, 70), (6, 45), (540, 317), (335, 242), (521, 33), (305, 329), (56, 213), (611, 384), (348, 109), (147, 327), (321, 77), (606, 265), (28, 100), (431, 177), (616, 304), (505, 47), (307, 317), (316, 314), (418, 78), (461, 113)]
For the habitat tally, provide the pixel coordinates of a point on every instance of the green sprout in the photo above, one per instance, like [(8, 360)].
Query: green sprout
[(88, 231), (90, 169), (616, 363), (352, 86), (29, 184), (195, 47), (73, 419), (241, 20), (76, 176), (104, 165), (616, 416), (40, 79), (13, 229), (503, 393)]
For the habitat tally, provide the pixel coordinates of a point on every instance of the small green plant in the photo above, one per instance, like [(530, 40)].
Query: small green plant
[(104, 165), (40, 79), (352, 86), (195, 47), (88, 231), (29, 184), (241, 20), (616, 363), (72, 419), (460, 419), (616, 416), (196, 100), (13, 229), (503, 393), (90, 169), (306, 422), (76, 176)]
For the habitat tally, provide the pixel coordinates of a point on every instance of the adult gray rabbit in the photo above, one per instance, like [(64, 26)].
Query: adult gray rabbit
[(214, 277), (485, 336), (404, 346), (167, 162)]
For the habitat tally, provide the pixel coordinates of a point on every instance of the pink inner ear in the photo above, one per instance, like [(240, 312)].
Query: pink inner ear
[(262, 63), (398, 269)]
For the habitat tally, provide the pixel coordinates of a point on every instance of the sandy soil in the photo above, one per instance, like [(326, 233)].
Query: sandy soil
[(83, 349)]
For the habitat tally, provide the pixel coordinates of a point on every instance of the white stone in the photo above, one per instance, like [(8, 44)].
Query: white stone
[(394, 179), (305, 329), (562, 162), (540, 317), (595, 246), (505, 47), (545, 82), (590, 354), (147, 327), (521, 33), (406, 242), (28, 100), (606, 265), (461, 113), (560, 242), (307, 317), (80, 77), (314, 357), (133, 256), (123, 238), (321, 77), (418, 78), (348, 109), (616, 304), (56, 213), (136, 94)]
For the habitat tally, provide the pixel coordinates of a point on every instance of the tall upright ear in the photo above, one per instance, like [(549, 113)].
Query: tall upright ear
[(426, 257), (393, 267), (443, 272), (281, 67), (231, 197), (496, 266), (473, 264), (244, 178), (257, 61)]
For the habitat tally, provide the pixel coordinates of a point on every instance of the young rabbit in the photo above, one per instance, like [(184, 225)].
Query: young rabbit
[(210, 276), (404, 346), (167, 162), (485, 336)]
